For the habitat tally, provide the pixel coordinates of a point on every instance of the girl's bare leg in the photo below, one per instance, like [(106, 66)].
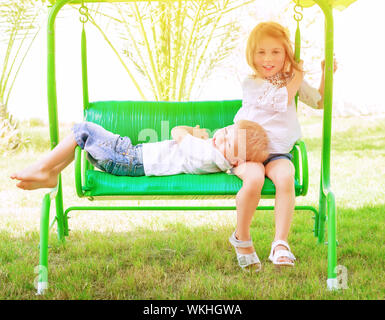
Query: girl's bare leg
[(43, 173), (281, 172), (247, 199)]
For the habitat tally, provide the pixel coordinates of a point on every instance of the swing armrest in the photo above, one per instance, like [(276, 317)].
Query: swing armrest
[(81, 166), (78, 172), (300, 162)]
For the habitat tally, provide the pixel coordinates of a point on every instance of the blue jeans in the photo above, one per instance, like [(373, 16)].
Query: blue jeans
[(108, 151)]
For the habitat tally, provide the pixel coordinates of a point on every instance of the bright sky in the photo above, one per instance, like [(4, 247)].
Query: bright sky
[(359, 49)]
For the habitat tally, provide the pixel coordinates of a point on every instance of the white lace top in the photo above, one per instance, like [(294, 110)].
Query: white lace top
[(265, 102)]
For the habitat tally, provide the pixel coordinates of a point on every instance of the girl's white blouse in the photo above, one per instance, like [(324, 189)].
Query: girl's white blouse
[(267, 105)]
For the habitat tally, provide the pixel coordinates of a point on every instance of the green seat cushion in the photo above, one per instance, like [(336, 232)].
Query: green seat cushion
[(103, 184)]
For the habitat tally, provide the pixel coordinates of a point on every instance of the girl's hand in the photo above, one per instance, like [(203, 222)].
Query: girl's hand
[(322, 84), (297, 73), (200, 133), (294, 84), (300, 64), (334, 68)]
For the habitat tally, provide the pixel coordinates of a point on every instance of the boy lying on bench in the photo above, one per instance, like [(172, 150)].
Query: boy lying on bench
[(190, 151)]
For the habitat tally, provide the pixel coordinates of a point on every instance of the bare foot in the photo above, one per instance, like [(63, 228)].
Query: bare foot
[(32, 185), (35, 177), (33, 172)]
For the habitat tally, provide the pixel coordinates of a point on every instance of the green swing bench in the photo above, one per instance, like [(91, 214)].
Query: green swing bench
[(162, 116)]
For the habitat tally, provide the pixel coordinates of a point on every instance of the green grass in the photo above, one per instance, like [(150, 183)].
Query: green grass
[(186, 255)]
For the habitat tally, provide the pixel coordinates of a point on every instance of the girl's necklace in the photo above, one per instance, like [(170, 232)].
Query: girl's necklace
[(279, 80)]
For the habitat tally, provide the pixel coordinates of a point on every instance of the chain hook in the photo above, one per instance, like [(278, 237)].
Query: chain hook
[(83, 10), (298, 16)]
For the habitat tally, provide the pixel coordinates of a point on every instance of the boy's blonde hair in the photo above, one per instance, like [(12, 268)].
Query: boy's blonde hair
[(274, 30), (256, 143)]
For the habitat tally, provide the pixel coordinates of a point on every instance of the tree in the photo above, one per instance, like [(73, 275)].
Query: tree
[(19, 26), (171, 46)]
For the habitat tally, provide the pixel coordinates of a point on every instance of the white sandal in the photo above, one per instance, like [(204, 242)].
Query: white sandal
[(245, 260), (275, 255)]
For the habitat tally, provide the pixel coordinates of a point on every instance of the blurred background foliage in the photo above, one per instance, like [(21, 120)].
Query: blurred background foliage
[(19, 26), (169, 47)]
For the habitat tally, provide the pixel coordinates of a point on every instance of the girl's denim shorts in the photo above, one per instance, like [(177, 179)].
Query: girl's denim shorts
[(276, 156), (272, 157), (108, 151)]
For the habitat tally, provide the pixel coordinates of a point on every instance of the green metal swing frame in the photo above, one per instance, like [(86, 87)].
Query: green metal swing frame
[(327, 207)]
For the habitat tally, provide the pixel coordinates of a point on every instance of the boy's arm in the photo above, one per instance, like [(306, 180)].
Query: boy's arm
[(179, 132)]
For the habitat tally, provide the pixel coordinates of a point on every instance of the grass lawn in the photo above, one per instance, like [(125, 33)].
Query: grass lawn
[(186, 255)]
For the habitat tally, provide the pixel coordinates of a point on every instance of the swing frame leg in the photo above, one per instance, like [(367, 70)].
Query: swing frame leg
[(60, 218), (45, 226), (327, 205), (321, 218), (332, 282), (42, 269)]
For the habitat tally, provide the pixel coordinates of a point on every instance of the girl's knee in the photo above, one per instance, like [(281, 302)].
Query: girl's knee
[(254, 184), (254, 181), (281, 172), (250, 171), (284, 181), (254, 176)]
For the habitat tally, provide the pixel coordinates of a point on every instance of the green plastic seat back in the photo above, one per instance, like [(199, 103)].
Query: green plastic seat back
[(154, 120)]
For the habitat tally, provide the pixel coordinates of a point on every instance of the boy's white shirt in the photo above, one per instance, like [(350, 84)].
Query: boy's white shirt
[(267, 105), (192, 155)]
